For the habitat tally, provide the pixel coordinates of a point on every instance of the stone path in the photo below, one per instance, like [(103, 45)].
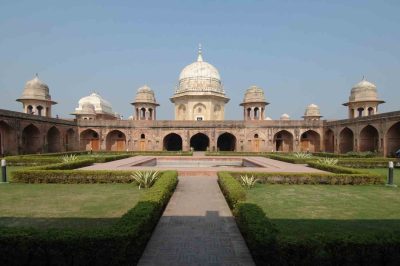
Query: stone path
[(197, 228)]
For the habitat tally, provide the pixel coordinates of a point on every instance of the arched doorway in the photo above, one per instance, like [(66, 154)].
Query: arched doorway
[(346, 138), (70, 140), (283, 141), (31, 141), (226, 142), (116, 141), (369, 139), (53, 140), (199, 142), (172, 142), (393, 139), (7, 139), (310, 141), (89, 140), (329, 141)]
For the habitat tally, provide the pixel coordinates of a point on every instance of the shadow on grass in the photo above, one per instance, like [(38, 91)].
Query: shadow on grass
[(57, 223), (304, 228)]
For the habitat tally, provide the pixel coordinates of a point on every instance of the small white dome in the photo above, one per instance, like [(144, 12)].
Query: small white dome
[(101, 106), (268, 118), (285, 117)]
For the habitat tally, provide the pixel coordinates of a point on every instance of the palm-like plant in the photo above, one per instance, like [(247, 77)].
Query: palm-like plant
[(145, 179), (69, 158), (248, 181), (328, 161), (302, 155)]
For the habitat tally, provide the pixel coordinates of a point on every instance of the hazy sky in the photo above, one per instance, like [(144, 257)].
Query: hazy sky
[(300, 52)]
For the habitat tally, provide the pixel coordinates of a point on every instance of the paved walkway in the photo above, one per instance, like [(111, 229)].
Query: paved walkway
[(197, 228)]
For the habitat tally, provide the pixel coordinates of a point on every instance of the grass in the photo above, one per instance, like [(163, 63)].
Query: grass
[(301, 210), (60, 205), (384, 171)]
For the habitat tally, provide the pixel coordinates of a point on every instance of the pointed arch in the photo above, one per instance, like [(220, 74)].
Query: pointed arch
[(172, 142), (329, 139), (31, 140), (89, 140), (310, 141), (283, 141), (346, 140), (116, 141), (70, 140), (393, 139), (199, 142), (369, 139), (8, 143), (226, 142), (53, 140)]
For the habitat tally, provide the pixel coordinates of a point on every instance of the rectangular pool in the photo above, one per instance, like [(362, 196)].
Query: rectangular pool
[(189, 162)]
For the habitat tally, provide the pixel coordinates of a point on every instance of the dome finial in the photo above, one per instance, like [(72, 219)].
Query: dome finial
[(199, 56)]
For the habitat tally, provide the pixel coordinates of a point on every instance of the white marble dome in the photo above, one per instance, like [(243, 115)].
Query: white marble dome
[(145, 95), (35, 89), (285, 117), (363, 91), (101, 106), (254, 94), (312, 110), (200, 76), (268, 118)]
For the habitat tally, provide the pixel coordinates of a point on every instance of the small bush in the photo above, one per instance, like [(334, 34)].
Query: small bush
[(69, 158), (302, 155)]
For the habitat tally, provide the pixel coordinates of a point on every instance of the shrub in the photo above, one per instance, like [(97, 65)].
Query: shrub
[(231, 188), (69, 158), (145, 179), (64, 166), (31, 160), (247, 181), (121, 244)]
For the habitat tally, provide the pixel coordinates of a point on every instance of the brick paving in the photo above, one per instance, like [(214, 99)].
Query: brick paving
[(197, 228)]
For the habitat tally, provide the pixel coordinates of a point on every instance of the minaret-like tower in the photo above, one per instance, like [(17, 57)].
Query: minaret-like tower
[(145, 104), (36, 99), (254, 104)]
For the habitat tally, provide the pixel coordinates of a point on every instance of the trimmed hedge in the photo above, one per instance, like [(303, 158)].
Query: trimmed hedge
[(268, 247), (335, 168), (121, 244), (231, 188), (316, 178), (31, 160), (64, 166), (289, 159), (72, 176)]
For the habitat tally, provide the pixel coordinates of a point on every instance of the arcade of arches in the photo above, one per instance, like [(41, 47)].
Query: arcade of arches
[(369, 139), (31, 140)]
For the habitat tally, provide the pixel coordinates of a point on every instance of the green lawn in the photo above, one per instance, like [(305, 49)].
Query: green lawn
[(384, 171), (61, 205), (301, 210)]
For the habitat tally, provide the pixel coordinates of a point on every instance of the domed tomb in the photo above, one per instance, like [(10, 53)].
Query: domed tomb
[(36, 98), (363, 100), (254, 104), (312, 112), (199, 94), (145, 104)]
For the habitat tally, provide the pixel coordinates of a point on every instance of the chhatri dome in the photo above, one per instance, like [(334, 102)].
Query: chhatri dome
[(199, 94), (285, 117), (363, 100), (145, 104), (312, 112), (254, 103), (94, 107), (36, 98)]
